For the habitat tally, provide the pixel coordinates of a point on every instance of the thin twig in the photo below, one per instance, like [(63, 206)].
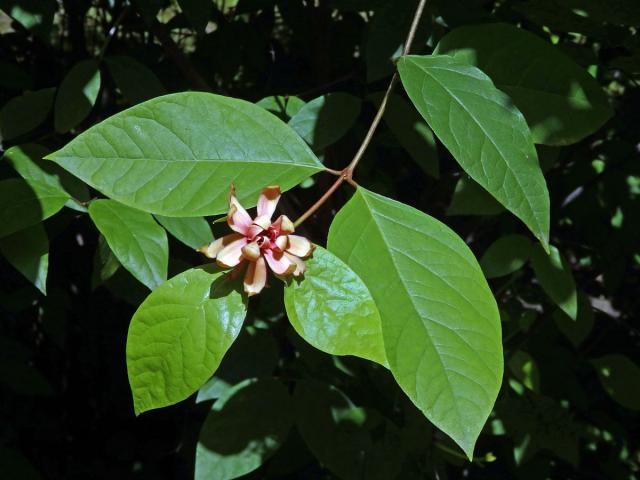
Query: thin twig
[(112, 31), (347, 173)]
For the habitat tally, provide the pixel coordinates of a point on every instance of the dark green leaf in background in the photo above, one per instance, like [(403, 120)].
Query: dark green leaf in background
[(332, 309), (179, 334), (77, 95), (136, 82), (485, 133), (326, 119), (506, 255), (283, 107), (244, 428), (579, 329), (620, 377), (137, 241), (197, 12), (560, 100), (28, 251), (469, 198), (440, 322), (25, 203), (22, 114), (177, 155), (555, 277)]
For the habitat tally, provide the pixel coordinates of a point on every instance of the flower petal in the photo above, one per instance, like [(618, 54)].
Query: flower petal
[(301, 266), (262, 221), (256, 277), (281, 243), (238, 218), (254, 231), (211, 250), (251, 251), (267, 201), (299, 246), (284, 225), (280, 264), (231, 255)]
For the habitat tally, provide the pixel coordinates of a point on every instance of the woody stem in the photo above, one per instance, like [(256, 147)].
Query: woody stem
[(347, 173)]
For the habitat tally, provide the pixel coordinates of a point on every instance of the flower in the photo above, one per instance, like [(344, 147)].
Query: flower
[(260, 242)]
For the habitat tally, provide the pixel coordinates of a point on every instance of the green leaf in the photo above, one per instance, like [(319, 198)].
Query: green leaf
[(485, 133), (283, 107), (354, 443), (22, 114), (332, 309), (244, 428), (579, 329), (194, 232), (560, 100), (440, 322), (27, 161), (105, 263), (28, 251), (137, 241), (326, 119), (412, 133), (25, 203), (179, 335), (620, 378), (77, 95), (177, 155), (136, 81), (506, 255), (34, 15), (554, 275), (469, 198), (524, 368)]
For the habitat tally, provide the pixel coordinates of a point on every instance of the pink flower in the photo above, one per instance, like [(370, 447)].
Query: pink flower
[(260, 242)]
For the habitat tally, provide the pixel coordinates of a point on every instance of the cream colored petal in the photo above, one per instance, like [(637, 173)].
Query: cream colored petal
[(214, 247), (237, 218), (284, 225), (282, 242), (268, 201), (299, 246), (262, 221), (231, 255), (256, 277), (300, 264), (251, 251), (280, 264)]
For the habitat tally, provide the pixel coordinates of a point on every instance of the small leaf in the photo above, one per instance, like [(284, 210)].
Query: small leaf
[(105, 263), (28, 251), (524, 368), (469, 198), (554, 275), (620, 378), (194, 232), (178, 154), (25, 203), (326, 119), (579, 329), (77, 95), (179, 335), (332, 309), (22, 114), (137, 241), (354, 443), (440, 322), (484, 132), (28, 161), (283, 107), (243, 430), (506, 255), (136, 81), (412, 133), (560, 100)]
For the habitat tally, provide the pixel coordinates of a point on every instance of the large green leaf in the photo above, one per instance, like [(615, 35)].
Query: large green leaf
[(22, 114), (353, 442), (25, 203), (620, 378), (179, 335), (554, 274), (326, 119), (560, 100), (440, 322), (506, 255), (244, 428), (137, 241), (77, 95), (194, 232), (486, 134), (332, 309), (178, 154), (28, 251)]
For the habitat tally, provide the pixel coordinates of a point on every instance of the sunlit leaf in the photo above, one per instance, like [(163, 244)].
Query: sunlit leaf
[(555, 277)]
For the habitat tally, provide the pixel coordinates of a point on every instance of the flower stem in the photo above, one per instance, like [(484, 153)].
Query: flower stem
[(347, 173)]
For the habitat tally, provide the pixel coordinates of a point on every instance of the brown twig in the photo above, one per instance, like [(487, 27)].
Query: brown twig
[(347, 173)]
